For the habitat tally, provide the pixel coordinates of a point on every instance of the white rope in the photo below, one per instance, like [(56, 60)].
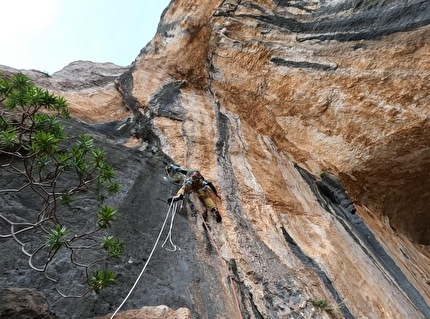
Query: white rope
[(144, 267), (169, 235)]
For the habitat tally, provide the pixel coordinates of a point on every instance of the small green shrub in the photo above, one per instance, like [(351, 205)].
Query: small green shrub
[(100, 279), (113, 245), (322, 304), (56, 172), (57, 237)]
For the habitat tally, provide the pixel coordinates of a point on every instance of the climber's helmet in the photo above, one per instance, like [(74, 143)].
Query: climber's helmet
[(195, 176)]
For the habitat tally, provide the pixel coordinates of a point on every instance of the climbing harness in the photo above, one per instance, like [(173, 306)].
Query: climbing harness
[(149, 258)]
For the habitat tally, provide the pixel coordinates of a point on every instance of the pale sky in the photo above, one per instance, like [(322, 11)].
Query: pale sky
[(46, 35)]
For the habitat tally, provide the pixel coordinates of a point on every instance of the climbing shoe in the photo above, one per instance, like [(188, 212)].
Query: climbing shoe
[(217, 215)]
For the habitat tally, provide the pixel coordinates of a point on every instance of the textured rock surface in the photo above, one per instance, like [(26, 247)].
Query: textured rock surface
[(88, 87), (153, 313), (21, 303), (262, 97), (264, 84)]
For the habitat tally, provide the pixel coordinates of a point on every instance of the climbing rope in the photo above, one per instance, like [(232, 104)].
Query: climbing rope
[(169, 235), (173, 209), (147, 261), (224, 263)]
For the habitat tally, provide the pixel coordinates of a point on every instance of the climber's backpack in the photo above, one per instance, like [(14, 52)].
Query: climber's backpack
[(176, 173)]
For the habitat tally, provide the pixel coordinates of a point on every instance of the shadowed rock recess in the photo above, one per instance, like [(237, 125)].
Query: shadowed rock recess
[(312, 120)]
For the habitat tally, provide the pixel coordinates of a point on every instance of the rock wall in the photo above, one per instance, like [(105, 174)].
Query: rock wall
[(311, 118)]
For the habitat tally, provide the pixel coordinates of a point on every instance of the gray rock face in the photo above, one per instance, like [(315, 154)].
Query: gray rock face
[(185, 278), (348, 20), (76, 76)]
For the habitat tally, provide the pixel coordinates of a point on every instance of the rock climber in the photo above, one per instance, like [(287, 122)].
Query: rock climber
[(196, 183)]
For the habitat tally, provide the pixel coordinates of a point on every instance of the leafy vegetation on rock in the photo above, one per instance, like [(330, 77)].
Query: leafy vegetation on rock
[(60, 179), (322, 304)]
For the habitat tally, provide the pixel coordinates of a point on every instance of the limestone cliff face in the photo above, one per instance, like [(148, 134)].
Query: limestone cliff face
[(257, 86), (312, 119), (88, 87)]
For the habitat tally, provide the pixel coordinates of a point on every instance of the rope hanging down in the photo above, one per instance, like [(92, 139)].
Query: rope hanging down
[(169, 235), (150, 255), (173, 209)]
